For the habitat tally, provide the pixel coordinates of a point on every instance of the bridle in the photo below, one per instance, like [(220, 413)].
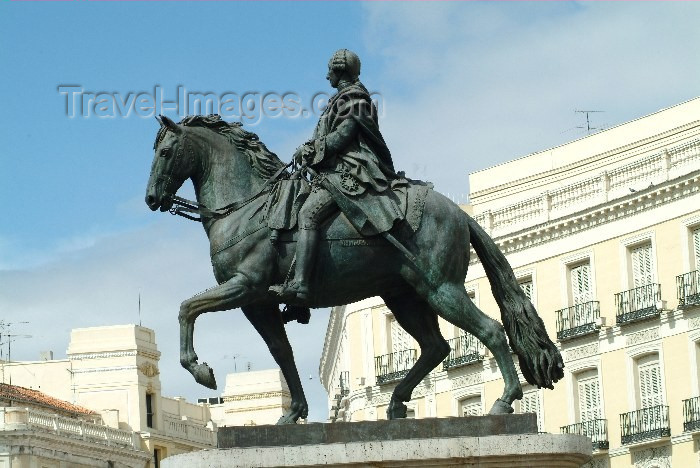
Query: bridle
[(189, 208)]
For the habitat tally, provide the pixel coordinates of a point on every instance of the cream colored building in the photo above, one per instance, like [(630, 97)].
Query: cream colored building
[(604, 235), (252, 398), (39, 431), (113, 371)]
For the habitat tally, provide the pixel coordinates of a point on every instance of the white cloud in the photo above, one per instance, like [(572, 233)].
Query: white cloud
[(468, 86), (166, 263)]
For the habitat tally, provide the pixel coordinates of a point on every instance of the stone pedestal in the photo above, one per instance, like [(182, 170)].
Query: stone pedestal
[(493, 441)]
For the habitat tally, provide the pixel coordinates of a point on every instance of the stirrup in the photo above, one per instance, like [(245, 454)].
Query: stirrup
[(290, 291)]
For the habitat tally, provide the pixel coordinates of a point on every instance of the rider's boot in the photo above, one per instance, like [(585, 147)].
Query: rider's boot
[(298, 288)]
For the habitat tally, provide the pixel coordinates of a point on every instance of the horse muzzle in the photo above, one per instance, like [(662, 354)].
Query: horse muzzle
[(154, 201)]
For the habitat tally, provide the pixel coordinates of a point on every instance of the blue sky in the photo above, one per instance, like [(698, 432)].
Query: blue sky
[(464, 86)]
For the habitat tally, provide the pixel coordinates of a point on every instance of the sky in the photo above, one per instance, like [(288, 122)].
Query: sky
[(461, 87)]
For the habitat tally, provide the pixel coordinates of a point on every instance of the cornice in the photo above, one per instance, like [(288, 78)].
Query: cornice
[(257, 396), (103, 369), (330, 344), (607, 158), (620, 208), (115, 354)]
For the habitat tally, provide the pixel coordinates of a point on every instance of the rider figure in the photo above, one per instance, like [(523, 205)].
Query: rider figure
[(347, 150)]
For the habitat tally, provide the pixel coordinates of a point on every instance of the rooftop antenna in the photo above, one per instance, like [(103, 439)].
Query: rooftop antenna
[(588, 127), (10, 339), (139, 308)]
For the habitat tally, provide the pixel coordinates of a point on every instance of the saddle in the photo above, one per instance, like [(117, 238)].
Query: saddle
[(288, 195)]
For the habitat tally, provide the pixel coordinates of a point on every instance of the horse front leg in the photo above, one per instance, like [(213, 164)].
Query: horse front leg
[(225, 296), (268, 322)]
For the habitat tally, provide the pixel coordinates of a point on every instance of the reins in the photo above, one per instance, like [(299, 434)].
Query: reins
[(183, 207)]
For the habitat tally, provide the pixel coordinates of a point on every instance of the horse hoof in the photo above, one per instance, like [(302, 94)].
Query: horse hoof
[(396, 410), (501, 407), (204, 375)]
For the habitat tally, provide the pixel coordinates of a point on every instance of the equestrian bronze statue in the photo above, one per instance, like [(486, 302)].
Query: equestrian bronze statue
[(359, 229)]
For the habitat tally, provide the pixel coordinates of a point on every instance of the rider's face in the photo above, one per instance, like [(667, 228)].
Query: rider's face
[(333, 77)]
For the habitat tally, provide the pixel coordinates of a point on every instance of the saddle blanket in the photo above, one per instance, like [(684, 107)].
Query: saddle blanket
[(286, 200)]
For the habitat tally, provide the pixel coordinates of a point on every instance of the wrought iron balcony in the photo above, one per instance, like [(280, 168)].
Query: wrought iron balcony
[(596, 429), (688, 287), (638, 303), (691, 414), (344, 382), (645, 424), (394, 366), (577, 320), (464, 350)]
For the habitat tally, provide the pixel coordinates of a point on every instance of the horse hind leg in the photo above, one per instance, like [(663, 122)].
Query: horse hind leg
[(454, 305), (268, 322), (420, 321)]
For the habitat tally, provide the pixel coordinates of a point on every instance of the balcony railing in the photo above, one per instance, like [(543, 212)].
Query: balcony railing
[(577, 320), (596, 429), (17, 418), (688, 287), (394, 366), (691, 414), (174, 426), (638, 303), (645, 424), (464, 350), (344, 383)]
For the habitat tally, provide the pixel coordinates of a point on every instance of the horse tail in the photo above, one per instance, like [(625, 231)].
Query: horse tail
[(540, 360)]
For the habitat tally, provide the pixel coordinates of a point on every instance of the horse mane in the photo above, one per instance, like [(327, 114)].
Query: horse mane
[(264, 162)]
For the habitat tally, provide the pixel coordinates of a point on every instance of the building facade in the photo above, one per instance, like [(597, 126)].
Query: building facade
[(39, 431), (113, 371), (603, 234), (251, 398)]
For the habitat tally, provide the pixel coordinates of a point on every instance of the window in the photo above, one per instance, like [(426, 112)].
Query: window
[(400, 339), (526, 286), (581, 291), (470, 406), (149, 409), (157, 457), (649, 380), (588, 396), (642, 273), (531, 404)]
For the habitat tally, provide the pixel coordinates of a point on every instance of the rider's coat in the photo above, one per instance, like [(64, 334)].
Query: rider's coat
[(350, 152)]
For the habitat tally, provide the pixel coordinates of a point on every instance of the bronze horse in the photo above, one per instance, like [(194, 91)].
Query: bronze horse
[(231, 172)]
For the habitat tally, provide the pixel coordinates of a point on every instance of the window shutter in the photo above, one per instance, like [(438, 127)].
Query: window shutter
[(589, 399), (641, 266), (650, 388), (400, 340), (470, 406), (581, 283), (526, 286), (696, 244), (531, 404)]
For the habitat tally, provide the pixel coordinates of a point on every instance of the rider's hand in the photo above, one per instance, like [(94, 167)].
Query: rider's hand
[(298, 158), (302, 153)]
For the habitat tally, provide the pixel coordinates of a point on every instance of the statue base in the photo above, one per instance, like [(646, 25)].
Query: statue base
[(493, 440)]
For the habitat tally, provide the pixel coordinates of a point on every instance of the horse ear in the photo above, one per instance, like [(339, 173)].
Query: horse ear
[(170, 124), (159, 120)]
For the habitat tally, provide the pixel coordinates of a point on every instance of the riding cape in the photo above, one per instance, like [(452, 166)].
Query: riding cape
[(350, 152)]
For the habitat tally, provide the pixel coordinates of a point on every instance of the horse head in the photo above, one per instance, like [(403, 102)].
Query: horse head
[(173, 163), (224, 161)]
